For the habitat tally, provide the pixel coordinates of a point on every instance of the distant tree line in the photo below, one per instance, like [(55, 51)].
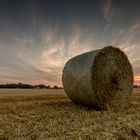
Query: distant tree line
[(136, 86), (28, 86), (40, 86)]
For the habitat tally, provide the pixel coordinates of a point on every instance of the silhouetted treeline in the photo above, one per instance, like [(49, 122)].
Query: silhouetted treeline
[(136, 86), (28, 86), (40, 86)]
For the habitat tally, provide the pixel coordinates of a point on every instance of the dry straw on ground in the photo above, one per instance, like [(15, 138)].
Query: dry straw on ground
[(101, 78), (49, 115)]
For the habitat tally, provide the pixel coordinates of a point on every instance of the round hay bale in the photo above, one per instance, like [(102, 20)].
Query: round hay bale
[(102, 78)]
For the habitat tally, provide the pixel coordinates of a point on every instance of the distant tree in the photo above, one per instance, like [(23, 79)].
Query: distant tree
[(136, 86), (41, 86), (56, 87), (48, 87)]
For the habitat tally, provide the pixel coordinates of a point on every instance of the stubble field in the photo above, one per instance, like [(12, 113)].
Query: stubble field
[(34, 114)]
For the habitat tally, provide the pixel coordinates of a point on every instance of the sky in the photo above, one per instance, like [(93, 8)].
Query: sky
[(37, 37)]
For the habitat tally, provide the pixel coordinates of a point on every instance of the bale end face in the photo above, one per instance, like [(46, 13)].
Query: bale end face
[(112, 78)]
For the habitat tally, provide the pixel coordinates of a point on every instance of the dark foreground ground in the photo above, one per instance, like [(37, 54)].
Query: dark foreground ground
[(50, 115)]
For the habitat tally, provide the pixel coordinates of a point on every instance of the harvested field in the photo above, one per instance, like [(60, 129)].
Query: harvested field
[(48, 114)]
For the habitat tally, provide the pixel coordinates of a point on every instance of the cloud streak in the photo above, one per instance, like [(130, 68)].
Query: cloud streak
[(109, 12), (33, 62), (30, 61)]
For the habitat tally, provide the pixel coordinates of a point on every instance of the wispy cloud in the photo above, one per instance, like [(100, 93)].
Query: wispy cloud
[(43, 61), (36, 50), (108, 10), (35, 62), (125, 39), (57, 52)]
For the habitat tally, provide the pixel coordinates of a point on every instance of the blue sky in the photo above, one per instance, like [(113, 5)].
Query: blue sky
[(37, 37)]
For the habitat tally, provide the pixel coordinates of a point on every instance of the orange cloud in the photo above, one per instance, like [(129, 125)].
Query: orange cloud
[(137, 80)]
